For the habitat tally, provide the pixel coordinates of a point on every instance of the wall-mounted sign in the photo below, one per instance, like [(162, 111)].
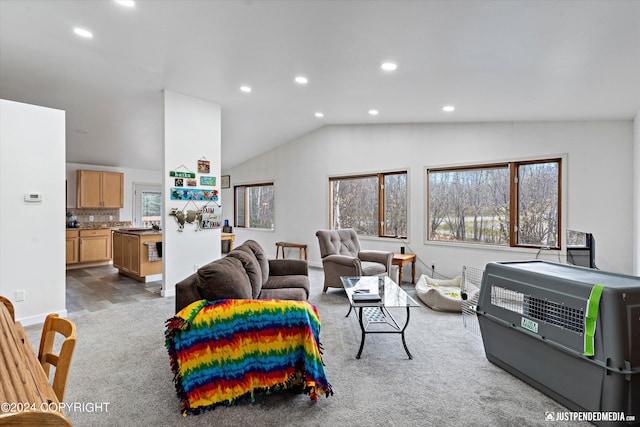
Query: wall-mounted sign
[(204, 166), (208, 180), (194, 194), (211, 217), (182, 174)]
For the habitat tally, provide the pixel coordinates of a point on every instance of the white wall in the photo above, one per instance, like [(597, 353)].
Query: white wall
[(131, 177), (191, 132), (598, 198), (636, 194), (32, 237)]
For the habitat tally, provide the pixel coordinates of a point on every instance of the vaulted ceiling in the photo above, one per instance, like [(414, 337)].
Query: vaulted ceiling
[(491, 60)]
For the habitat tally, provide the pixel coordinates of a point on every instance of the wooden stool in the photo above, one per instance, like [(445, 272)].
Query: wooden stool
[(282, 245)]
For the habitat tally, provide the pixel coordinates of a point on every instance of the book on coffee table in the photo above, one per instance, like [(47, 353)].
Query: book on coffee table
[(366, 297)]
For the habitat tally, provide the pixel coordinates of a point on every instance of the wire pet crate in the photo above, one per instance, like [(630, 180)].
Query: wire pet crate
[(470, 290)]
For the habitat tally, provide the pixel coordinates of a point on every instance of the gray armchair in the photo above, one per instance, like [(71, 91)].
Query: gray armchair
[(341, 256)]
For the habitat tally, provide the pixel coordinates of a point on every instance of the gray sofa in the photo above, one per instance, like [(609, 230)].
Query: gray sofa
[(246, 273)]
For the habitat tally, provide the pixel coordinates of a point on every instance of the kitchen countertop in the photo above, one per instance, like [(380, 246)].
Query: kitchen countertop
[(138, 231), (102, 225)]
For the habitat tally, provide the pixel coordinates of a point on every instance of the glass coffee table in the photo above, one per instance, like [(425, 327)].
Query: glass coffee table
[(371, 297)]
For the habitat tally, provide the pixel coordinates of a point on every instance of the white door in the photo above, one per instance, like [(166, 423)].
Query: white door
[(147, 209)]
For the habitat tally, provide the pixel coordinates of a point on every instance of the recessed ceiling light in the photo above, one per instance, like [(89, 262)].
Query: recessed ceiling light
[(389, 66), (83, 33), (319, 114), (373, 112), (448, 108), (302, 80), (245, 89), (127, 3)]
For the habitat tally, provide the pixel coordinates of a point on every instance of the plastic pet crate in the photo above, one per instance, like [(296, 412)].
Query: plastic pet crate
[(571, 332)]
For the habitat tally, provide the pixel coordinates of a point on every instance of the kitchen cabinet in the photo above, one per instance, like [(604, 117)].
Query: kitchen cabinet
[(99, 189), (73, 246), (131, 253), (126, 257), (95, 245)]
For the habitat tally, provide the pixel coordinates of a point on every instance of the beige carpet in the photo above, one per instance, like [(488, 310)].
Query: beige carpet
[(121, 361)]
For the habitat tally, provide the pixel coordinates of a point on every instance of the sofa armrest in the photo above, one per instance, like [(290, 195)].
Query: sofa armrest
[(187, 292), (382, 257), (288, 267)]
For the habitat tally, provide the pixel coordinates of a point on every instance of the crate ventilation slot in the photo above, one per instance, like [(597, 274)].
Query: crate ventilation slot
[(552, 313)]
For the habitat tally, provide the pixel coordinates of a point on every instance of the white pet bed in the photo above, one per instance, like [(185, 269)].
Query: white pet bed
[(440, 295)]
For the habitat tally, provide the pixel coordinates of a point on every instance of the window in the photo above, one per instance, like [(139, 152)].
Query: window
[(148, 205), (254, 206), (373, 205), (509, 204)]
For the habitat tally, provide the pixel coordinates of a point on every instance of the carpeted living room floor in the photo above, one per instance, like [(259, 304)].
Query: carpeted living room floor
[(120, 375)]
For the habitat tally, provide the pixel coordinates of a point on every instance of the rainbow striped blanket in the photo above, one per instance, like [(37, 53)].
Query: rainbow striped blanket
[(225, 350)]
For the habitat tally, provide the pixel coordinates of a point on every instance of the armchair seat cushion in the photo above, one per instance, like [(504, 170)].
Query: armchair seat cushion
[(373, 268)]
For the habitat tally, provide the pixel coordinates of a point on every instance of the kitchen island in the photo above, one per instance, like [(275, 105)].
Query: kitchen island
[(137, 253)]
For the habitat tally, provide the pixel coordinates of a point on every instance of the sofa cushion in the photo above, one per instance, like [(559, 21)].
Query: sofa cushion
[(251, 267), (297, 294), (258, 252), (224, 278)]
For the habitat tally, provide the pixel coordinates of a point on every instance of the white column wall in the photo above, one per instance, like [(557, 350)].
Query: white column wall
[(598, 196), (32, 235), (636, 195), (192, 130)]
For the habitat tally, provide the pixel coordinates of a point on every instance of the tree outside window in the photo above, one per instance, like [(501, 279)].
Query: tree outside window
[(510, 204), (254, 207), (373, 205), (151, 208)]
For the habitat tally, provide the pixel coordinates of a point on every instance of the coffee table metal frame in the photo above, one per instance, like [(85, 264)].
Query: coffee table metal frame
[(392, 296)]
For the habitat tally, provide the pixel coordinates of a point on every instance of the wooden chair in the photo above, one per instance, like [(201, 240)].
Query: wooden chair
[(7, 303), (52, 325)]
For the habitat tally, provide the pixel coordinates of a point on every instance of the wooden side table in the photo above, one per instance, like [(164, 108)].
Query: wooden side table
[(300, 246), (230, 237), (401, 260)]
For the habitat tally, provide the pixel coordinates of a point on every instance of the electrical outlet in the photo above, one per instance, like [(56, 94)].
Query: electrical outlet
[(20, 295), (91, 218), (433, 264)]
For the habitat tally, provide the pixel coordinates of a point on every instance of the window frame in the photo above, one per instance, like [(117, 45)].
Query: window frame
[(380, 176), (246, 205), (512, 167)]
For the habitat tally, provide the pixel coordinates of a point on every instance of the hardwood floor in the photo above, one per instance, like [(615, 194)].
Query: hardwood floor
[(97, 288)]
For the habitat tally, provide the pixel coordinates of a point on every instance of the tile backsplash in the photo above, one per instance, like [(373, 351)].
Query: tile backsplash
[(99, 215)]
